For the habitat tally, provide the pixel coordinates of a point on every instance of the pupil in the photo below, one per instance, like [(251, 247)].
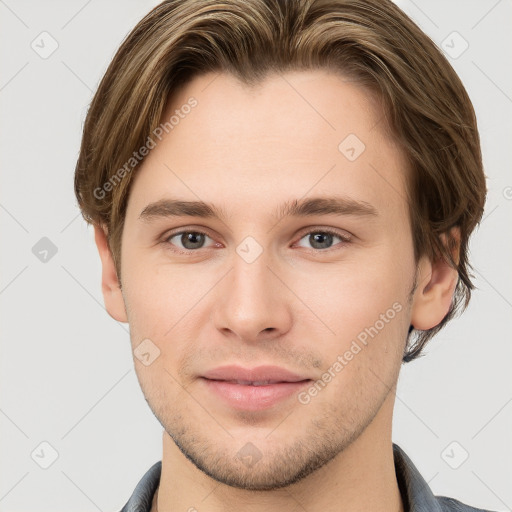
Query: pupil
[(192, 240), (327, 240), (195, 240)]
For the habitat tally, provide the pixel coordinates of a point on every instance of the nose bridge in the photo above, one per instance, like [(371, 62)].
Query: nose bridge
[(252, 299), (251, 277)]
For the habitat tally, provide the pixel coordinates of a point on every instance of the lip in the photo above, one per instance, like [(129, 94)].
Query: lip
[(259, 373), (283, 384)]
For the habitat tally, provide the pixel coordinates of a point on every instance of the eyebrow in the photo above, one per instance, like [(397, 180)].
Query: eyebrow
[(334, 205)]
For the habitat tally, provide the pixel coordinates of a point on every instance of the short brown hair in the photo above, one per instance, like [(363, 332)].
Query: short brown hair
[(370, 41)]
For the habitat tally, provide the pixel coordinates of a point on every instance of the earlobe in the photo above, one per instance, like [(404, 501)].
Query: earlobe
[(110, 286), (437, 281)]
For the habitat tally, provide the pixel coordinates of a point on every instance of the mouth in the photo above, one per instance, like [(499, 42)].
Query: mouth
[(253, 389), (260, 375), (256, 383)]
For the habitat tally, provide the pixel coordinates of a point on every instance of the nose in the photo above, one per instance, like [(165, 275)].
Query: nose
[(253, 304)]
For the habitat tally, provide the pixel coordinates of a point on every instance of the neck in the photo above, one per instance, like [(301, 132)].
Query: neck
[(361, 477)]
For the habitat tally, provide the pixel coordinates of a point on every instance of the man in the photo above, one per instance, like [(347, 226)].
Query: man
[(282, 194)]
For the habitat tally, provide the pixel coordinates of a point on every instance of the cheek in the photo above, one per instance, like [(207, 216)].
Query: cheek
[(166, 305), (364, 303), (157, 312), (353, 295), (155, 294)]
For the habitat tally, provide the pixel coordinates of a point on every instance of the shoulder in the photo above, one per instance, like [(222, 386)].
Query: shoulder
[(416, 493), (452, 505), (142, 496)]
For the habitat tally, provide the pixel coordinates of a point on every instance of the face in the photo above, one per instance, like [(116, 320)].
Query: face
[(322, 290)]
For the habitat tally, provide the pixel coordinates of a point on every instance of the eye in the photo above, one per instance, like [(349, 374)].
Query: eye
[(189, 240), (322, 239)]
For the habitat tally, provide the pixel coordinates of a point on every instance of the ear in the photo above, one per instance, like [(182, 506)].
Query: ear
[(110, 286), (436, 285)]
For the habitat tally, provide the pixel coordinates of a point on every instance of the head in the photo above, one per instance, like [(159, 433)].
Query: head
[(259, 108)]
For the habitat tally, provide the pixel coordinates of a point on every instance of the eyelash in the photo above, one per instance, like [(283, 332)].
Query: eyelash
[(345, 239)]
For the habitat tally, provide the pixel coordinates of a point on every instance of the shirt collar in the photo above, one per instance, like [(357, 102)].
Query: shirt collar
[(142, 496), (416, 494)]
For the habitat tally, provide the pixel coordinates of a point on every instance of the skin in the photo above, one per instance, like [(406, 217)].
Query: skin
[(298, 306)]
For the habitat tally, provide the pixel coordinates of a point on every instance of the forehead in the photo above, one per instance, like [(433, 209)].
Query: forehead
[(292, 134), (291, 107)]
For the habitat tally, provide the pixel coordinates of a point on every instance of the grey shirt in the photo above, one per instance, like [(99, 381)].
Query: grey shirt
[(416, 494)]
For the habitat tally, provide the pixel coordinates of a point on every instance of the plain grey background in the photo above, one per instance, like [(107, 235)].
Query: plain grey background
[(67, 377)]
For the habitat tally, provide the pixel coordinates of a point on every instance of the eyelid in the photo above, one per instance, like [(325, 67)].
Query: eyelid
[(179, 231), (345, 236)]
